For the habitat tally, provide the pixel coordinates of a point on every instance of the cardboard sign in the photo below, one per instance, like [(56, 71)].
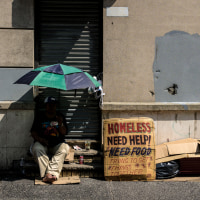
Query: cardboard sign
[(129, 149)]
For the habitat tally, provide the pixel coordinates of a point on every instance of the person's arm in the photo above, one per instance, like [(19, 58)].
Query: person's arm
[(39, 139), (62, 127), (35, 134)]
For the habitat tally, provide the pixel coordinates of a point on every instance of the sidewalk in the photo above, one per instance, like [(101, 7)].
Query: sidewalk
[(15, 187)]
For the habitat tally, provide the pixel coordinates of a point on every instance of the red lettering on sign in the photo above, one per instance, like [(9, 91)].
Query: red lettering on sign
[(139, 127), (110, 128), (129, 128), (122, 127), (116, 127), (148, 127)]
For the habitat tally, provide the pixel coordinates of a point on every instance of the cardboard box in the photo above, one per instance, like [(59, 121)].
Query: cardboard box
[(185, 146), (129, 149)]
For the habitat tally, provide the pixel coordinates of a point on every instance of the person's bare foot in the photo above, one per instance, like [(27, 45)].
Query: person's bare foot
[(49, 178)]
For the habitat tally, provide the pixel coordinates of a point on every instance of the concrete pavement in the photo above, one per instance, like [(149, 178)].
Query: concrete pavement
[(14, 187)]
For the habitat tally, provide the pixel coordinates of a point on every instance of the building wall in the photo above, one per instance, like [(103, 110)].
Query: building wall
[(172, 123), (16, 58), (142, 59), (151, 64), (15, 138), (138, 78)]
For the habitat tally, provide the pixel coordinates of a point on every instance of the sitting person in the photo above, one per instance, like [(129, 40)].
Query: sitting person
[(48, 131)]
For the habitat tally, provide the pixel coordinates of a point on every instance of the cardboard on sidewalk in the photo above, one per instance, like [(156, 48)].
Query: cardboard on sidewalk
[(60, 181), (129, 149), (177, 149)]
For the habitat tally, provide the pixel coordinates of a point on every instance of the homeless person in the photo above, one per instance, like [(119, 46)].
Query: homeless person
[(48, 131)]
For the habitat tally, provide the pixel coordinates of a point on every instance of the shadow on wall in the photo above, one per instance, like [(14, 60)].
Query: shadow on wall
[(72, 38), (27, 97), (68, 38), (22, 14), (14, 92), (176, 67), (108, 3), (80, 109)]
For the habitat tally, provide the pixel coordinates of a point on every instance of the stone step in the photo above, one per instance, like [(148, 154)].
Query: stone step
[(94, 144), (74, 166), (90, 156), (91, 152), (92, 167), (83, 170), (30, 168)]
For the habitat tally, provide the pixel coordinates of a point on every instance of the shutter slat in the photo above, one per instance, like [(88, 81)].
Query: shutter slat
[(69, 33)]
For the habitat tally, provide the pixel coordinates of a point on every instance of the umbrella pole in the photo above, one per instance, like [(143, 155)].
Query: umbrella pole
[(59, 99)]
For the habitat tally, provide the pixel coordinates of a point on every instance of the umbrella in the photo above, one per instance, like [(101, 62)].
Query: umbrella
[(59, 76)]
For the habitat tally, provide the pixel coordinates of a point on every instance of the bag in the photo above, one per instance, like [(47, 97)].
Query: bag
[(167, 170)]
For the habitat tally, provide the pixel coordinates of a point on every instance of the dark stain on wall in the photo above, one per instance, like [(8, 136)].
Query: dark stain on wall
[(177, 67), (22, 13), (108, 3)]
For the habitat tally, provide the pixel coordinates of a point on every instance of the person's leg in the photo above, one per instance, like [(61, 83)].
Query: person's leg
[(41, 157), (59, 153)]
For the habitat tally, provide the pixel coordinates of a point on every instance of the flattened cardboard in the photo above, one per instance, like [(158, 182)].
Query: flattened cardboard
[(60, 181), (161, 151), (185, 146), (179, 148), (169, 158), (129, 149), (180, 179)]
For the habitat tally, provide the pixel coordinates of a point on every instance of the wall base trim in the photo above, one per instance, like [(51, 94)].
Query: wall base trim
[(17, 105), (151, 106)]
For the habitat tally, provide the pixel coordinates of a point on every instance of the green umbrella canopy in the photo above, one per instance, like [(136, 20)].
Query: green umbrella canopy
[(59, 76)]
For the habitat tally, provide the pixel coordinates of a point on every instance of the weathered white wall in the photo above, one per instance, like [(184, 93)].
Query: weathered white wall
[(129, 44), (15, 138), (169, 125), (141, 61), (16, 52), (16, 33), (16, 14), (16, 49)]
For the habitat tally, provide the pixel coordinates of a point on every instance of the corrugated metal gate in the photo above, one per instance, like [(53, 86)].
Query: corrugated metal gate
[(70, 32)]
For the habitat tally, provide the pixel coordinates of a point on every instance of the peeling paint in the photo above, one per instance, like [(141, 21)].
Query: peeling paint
[(177, 67), (173, 89), (152, 92)]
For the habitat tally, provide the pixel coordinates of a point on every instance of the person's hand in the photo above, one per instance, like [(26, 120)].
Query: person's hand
[(62, 129), (39, 139), (44, 142), (60, 120)]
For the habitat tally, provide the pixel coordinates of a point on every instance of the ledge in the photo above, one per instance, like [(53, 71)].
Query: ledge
[(74, 166), (17, 105), (84, 152), (151, 106)]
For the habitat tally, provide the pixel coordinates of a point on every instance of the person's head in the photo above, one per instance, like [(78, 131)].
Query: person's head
[(50, 104)]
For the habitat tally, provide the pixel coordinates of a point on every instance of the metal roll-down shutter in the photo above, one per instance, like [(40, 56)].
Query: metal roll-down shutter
[(70, 32)]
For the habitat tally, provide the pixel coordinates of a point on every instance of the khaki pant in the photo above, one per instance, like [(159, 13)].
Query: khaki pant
[(53, 166)]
